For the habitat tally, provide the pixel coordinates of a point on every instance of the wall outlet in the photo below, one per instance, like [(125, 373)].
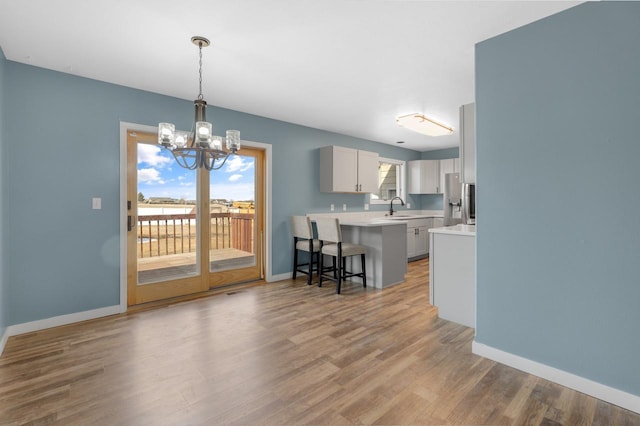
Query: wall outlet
[(96, 203), (366, 206), (332, 207), (408, 205), (344, 207)]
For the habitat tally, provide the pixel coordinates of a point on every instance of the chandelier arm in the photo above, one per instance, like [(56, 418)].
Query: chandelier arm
[(213, 167), (181, 158)]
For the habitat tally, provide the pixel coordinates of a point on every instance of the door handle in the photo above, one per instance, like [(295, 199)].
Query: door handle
[(129, 218)]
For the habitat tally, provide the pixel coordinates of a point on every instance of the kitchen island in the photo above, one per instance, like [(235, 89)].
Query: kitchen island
[(452, 273), (386, 242)]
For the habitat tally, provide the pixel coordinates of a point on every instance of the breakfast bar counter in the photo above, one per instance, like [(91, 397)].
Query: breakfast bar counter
[(386, 242)]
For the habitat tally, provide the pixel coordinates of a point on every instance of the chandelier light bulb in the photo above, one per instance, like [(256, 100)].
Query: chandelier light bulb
[(216, 143), (166, 132), (181, 139)]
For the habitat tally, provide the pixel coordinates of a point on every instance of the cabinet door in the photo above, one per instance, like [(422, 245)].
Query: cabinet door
[(424, 176), (367, 171), (411, 242), (414, 175), (430, 181), (338, 169), (430, 224), (422, 242), (345, 169)]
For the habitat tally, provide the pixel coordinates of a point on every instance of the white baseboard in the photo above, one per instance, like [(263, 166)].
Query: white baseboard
[(586, 386), (3, 340), (28, 327), (280, 277)]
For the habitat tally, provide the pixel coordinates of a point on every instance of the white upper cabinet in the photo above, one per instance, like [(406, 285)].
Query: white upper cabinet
[(468, 143), (367, 171), (348, 170), (424, 176), (450, 165), (427, 176)]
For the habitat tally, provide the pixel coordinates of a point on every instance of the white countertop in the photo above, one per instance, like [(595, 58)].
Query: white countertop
[(372, 222), (379, 217), (468, 230)]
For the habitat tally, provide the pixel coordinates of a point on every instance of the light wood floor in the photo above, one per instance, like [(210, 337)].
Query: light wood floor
[(281, 353)]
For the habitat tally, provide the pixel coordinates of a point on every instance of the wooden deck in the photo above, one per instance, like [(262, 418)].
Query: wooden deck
[(158, 268), (283, 353)]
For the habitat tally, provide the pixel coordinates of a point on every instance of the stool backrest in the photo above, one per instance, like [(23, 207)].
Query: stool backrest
[(329, 229), (302, 227)]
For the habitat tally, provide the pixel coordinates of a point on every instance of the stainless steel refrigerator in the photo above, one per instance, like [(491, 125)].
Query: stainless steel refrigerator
[(452, 201)]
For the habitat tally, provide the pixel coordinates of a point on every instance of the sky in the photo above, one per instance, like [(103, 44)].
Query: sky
[(160, 176)]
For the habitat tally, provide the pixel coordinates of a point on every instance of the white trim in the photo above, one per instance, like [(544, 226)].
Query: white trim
[(581, 384), (3, 340), (28, 327), (123, 203), (280, 277)]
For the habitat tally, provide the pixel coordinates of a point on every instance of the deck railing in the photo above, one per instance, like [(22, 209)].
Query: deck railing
[(160, 235)]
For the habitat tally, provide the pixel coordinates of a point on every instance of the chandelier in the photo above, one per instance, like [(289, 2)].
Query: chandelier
[(200, 147)]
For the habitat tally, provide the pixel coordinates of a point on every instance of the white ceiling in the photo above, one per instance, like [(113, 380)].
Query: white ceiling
[(347, 66)]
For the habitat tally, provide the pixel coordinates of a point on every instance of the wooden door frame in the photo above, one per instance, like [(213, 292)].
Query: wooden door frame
[(266, 261)]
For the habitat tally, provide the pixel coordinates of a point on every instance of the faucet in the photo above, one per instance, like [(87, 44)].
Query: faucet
[(391, 206)]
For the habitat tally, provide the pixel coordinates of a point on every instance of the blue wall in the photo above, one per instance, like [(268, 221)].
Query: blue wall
[(64, 133), (4, 304), (441, 154), (557, 134)]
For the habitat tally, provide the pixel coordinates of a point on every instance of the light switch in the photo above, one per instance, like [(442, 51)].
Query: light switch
[(366, 206), (408, 205), (344, 207), (96, 203), (332, 207)]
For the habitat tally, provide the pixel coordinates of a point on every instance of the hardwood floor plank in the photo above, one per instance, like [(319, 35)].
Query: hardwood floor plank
[(279, 353)]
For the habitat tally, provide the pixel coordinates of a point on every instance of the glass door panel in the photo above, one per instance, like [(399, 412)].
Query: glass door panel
[(167, 217), (232, 208), (163, 235)]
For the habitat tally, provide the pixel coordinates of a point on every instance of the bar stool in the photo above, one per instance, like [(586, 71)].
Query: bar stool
[(303, 241), (331, 244)]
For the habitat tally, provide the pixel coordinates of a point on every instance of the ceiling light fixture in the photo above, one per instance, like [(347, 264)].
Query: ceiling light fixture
[(199, 148), (425, 125)]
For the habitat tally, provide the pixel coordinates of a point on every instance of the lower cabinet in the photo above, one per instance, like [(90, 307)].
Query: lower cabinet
[(417, 238)]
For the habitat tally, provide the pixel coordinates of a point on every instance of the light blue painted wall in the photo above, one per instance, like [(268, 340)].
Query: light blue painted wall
[(4, 304), (557, 134), (65, 150), (434, 201), (441, 154)]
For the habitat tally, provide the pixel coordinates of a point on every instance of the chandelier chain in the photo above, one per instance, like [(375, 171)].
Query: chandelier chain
[(200, 96)]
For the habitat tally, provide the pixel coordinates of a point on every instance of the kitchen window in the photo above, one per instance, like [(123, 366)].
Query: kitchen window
[(391, 181)]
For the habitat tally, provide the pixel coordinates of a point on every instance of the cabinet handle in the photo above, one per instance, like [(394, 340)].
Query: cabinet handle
[(356, 187), (360, 189)]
